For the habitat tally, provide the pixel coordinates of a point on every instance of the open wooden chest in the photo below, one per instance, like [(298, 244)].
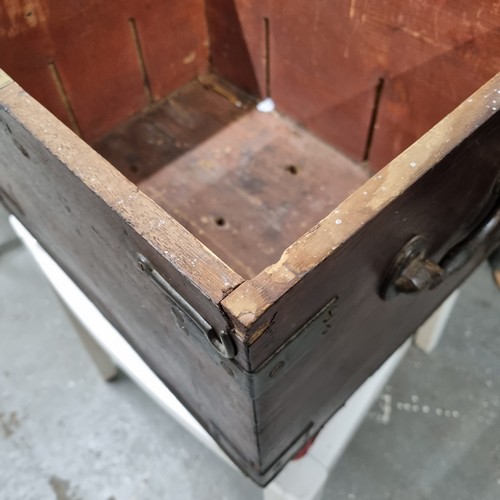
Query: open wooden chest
[(246, 253)]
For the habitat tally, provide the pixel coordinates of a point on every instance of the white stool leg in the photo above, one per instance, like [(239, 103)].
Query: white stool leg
[(98, 355), (429, 334), (64, 288), (303, 479)]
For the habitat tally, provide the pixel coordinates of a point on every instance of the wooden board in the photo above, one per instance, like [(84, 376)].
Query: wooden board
[(415, 99), (246, 184), (173, 41), (152, 139), (327, 58), (322, 62), (440, 188), (94, 65), (254, 188)]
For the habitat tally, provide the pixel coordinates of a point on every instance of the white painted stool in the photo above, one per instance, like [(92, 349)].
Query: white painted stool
[(301, 479)]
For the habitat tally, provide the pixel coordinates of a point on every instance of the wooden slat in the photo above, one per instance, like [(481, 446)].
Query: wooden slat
[(97, 62), (25, 52), (45, 89), (152, 139)]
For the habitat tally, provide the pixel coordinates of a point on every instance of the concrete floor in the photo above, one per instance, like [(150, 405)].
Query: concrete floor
[(67, 435)]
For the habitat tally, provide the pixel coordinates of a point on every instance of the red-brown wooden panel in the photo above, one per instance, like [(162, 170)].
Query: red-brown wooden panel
[(174, 42), (415, 100), (23, 32), (97, 59), (326, 59), (333, 52), (340, 118), (103, 56), (45, 89)]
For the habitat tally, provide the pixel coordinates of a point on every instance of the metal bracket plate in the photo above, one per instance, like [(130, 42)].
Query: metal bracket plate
[(221, 341), (258, 382), (289, 355)]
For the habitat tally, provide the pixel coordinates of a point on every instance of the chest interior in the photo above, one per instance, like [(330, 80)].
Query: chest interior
[(248, 123)]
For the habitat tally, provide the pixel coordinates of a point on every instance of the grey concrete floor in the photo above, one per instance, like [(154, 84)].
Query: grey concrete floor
[(67, 435)]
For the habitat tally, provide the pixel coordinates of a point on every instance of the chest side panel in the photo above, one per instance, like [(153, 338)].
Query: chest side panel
[(94, 222)]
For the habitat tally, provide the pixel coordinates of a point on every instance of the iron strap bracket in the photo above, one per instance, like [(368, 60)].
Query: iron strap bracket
[(254, 383), (295, 349), (221, 341)]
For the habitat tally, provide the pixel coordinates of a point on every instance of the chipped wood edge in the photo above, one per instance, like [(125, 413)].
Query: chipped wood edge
[(247, 305), (162, 232)]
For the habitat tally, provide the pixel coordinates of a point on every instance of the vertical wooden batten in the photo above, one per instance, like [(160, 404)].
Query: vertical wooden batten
[(174, 41)]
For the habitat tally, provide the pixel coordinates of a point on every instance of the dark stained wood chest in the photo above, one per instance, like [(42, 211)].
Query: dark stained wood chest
[(262, 263)]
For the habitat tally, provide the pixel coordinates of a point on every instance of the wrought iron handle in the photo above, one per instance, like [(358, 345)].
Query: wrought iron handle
[(413, 272), (485, 239)]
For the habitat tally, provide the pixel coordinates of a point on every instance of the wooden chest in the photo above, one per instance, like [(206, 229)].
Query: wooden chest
[(246, 253)]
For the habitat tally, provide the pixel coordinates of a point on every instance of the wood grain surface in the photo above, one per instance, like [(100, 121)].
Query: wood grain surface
[(414, 194), (157, 136), (440, 188), (246, 184), (237, 35), (367, 76), (322, 62), (93, 221), (95, 63), (327, 59)]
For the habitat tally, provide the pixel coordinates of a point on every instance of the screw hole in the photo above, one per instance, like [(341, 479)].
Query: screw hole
[(134, 168), (292, 169), (220, 221)]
